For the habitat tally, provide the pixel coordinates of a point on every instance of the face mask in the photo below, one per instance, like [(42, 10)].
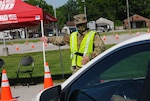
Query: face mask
[(81, 28)]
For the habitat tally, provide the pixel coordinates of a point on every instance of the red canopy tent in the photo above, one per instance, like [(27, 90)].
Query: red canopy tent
[(17, 14)]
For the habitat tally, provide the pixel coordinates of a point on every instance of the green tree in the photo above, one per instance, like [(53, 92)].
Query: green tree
[(42, 4), (66, 12), (114, 10)]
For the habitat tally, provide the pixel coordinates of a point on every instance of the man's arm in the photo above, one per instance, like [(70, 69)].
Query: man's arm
[(99, 46), (57, 40)]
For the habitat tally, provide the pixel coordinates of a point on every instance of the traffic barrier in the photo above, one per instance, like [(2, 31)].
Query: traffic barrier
[(6, 94), (17, 48), (48, 82)]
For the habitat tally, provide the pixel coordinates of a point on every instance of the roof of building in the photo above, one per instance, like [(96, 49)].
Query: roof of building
[(137, 17)]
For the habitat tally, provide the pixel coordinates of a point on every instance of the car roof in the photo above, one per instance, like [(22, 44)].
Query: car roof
[(126, 42)]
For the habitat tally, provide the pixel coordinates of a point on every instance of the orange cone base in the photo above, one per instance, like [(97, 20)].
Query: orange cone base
[(13, 99), (6, 94), (48, 82)]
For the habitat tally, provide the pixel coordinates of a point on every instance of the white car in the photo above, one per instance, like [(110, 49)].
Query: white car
[(122, 70), (6, 37)]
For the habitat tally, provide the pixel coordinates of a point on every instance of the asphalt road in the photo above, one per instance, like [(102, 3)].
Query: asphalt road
[(36, 47), (27, 94)]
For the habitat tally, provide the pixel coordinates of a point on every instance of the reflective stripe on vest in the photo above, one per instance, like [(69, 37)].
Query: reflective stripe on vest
[(86, 47), (73, 47)]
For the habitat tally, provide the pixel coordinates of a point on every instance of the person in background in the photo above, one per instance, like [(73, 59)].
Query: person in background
[(84, 44)]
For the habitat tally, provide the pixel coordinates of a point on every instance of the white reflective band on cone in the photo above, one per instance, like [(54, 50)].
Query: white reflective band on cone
[(5, 84), (47, 76), (4, 76), (46, 69)]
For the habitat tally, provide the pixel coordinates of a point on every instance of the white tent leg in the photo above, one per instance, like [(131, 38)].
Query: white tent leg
[(42, 30)]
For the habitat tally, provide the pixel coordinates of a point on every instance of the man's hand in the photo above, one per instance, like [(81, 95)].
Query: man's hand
[(117, 98), (85, 60), (44, 39)]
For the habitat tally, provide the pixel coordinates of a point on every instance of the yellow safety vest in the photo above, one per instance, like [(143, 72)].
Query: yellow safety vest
[(86, 47)]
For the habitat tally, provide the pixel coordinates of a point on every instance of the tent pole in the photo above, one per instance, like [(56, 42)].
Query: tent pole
[(42, 30)]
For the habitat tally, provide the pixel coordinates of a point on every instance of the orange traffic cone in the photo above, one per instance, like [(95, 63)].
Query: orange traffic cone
[(117, 37), (17, 48), (32, 45), (104, 38), (48, 82), (137, 34), (6, 94)]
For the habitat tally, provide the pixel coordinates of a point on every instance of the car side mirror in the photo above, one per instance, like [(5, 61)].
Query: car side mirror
[(49, 94)]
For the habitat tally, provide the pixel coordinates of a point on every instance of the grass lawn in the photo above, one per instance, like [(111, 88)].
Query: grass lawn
[(58, 66), (52, 57)]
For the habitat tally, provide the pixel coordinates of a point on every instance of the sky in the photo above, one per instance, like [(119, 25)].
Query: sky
[(56, 3)]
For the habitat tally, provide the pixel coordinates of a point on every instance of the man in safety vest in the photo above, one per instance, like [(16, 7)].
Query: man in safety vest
[(85, 44)]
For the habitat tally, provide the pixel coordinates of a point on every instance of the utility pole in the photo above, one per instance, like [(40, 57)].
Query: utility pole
[(129, 26), (85, 9)]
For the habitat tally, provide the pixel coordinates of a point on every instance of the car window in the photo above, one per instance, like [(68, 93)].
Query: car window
[(126, 66), (72, 30), (133, 66)]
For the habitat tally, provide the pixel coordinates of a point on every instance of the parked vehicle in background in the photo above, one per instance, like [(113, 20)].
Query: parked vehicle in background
[(102, 27), (68, 29), (121, 70), (35, 34), (91, 25), (5, 35), (50, 33)]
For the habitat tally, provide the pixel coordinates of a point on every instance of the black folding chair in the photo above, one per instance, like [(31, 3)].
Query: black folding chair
[(26, 66), (2, 64)]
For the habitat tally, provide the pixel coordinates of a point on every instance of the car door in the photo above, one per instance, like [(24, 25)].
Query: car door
[(120, 72)]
